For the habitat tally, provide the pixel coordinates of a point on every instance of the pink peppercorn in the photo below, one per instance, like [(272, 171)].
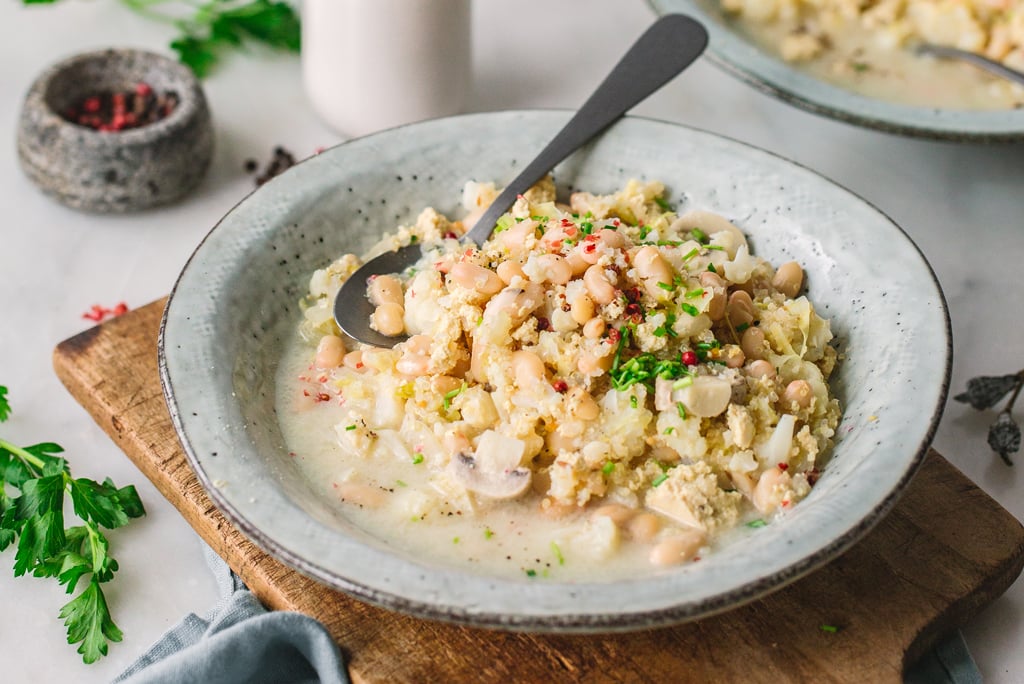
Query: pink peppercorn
[(689, 358)]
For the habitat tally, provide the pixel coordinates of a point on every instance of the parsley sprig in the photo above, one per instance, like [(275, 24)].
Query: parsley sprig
[(209, 28), (32, 518)]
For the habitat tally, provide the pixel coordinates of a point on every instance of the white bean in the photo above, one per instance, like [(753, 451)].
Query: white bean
[(582, 309), (385, 288), (798, 392), (555, 268), (761, 369), (330, 352), (752, 343), (508, 270), (788, 279), (594, 328), (387, 319), (677, 549), (600, 288), (477, 278), (527, 367)]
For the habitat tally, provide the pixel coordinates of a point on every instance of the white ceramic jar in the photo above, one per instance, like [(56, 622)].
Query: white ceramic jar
[(374, 64)]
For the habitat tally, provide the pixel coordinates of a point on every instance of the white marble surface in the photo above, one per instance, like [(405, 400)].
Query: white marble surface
[(961, 204)]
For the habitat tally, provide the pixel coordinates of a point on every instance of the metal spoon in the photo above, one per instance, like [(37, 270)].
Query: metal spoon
[(670, 45), (975, 59)]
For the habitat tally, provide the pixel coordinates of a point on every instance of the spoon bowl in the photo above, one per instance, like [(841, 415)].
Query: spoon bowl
[(670, 45)]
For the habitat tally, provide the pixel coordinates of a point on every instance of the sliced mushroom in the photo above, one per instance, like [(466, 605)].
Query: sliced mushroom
[(494, 470), (667, 502), (707, 396)]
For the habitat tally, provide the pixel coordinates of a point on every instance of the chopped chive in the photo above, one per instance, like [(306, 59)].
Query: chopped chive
[(717, 248), (504, 223), (690, 309), (455, 540), (658, 480), (558, 553), (682, 383), (689, 255), (668, 243), (695, 293), (831, 629), (488, 533), (681, 410), (531, 573), (413, 239), (448, 396), (401, 483), (632, 401), (699, 235), (663, 203), (540, 219), (741, 327), (417, 459), (644, 232), (351, 427), (665, 286), (608, 467), (756, 523), (711, 267), (669, 430)]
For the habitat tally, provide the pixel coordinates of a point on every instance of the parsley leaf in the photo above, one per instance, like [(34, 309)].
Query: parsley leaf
[(5, 406), (35, 481)]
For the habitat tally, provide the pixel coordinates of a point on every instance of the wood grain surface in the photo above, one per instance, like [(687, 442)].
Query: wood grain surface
[(946, 551)]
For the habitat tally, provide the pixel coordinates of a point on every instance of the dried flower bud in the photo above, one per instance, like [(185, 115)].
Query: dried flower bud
[(1004, 437), (985, 392)]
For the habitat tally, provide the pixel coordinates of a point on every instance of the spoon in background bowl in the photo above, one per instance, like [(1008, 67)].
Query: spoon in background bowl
[(670, 45), (989, 65)]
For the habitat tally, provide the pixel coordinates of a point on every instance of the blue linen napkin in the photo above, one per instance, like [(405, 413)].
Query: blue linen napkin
[(242, 642)]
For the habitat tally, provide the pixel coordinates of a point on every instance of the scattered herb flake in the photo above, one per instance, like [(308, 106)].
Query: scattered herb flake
[(350, 427), (699, 235), (417, 459), (531, 573), (690, 309), (608, 468), (669, 430), (658, 480), (693, 294), (665, 286), (756, 523), (488, 533), (558, 553), (831, 629), (633, 401), (681, 410)]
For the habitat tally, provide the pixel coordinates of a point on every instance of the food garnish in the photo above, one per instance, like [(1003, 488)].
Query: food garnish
[(32, 519)]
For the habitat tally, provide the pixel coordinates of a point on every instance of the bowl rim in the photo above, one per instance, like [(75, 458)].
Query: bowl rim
[(582, 622), (746, 61)]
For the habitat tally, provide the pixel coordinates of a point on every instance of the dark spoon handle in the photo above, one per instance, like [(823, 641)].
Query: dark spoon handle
[(670, 45)]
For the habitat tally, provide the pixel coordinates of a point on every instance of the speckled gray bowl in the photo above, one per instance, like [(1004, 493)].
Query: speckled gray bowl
[(114, 171), (729, 48), (236, 302)]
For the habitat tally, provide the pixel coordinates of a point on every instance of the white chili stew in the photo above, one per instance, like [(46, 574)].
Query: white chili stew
[(604, 388)]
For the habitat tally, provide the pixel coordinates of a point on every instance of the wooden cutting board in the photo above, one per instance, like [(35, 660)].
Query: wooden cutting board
[(945, 552)]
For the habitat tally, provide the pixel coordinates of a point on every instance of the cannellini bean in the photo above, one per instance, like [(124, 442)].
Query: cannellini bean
[(477, 278), (653, 268), (354, 360), (643, 527), (528, 368), (419, 344), (507, 270), (589, 364), (413, 364), (600, 288), (385, 288), (740, 308), (443, 384), (586, 407), (582, 309), (752, 343), (514, 239), (714, 283), (765, 497), (330, 352), (678, 548), (788, 279), (761, 369), (611, 238), (361, 495), (594, 328), (518, 302), (733, 355), (554, 268), (387, 319), (617, 513), (798, 392), (576, 261)]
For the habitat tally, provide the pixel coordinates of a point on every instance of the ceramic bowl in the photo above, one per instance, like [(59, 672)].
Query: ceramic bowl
[(114, 171), (729, 48), (236, 302)]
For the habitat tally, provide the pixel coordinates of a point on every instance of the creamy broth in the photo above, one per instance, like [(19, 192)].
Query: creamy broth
[(873, 58)]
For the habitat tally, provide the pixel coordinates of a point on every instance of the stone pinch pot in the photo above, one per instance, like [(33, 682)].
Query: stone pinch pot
[(117, 171)]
